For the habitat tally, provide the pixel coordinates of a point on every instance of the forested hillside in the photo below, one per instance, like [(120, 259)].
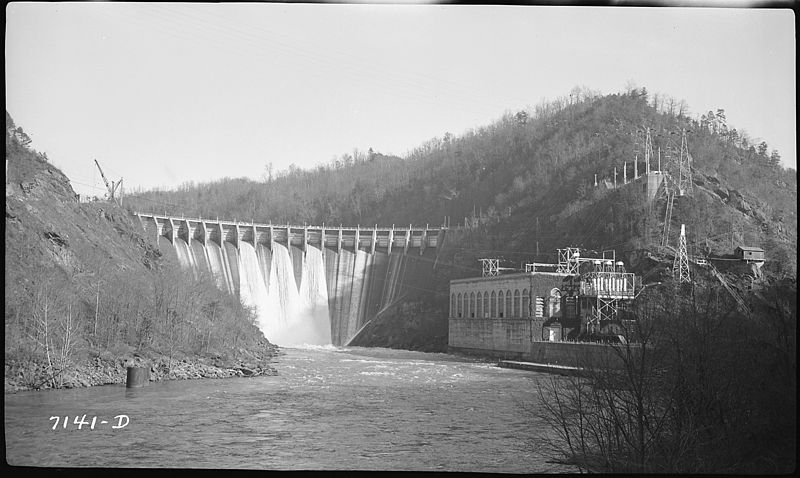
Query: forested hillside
[(84, 290), (527, 182)]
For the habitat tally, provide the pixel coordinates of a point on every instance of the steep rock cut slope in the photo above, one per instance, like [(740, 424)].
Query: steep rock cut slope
[(84, 290)]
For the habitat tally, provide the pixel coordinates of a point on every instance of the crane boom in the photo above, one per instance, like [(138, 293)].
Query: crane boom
[(103, 176), (112, 188)]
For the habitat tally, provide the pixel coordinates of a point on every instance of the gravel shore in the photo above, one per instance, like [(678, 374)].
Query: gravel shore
[(102, 370)]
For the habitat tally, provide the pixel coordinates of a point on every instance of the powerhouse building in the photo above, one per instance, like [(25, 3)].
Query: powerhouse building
[(507, 315)]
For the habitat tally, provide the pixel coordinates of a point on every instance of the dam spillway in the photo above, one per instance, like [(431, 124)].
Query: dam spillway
[(309, 284)]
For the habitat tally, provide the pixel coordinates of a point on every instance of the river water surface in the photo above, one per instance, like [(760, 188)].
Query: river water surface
[(329, 408)]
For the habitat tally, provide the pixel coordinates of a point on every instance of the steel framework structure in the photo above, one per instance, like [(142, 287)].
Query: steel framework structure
[(680, 266), (684, 168), (491, 267)]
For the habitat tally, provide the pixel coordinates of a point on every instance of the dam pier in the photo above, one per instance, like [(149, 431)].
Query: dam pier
[(335, 238)]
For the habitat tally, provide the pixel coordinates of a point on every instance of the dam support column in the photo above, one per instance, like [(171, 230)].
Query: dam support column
[(189, 235), (172, 232), (271, 238), (289, 242), (203, 235), (155, 223)]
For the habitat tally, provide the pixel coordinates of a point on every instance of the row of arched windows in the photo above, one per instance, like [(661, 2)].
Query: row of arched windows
[(504, 304), (491, 304)]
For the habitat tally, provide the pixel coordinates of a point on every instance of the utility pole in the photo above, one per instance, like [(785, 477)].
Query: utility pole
[(667, 218), (659, 158), (648, 151), (96, 307)]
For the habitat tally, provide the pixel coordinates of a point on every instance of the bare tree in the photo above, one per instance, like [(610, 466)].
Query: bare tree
[(679, 394)]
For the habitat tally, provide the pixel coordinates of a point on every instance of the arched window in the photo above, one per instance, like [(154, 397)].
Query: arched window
[(486, 309), (480, 306), (493, 311), (466, 305), (526, 303), (472, 304), (500, 304), (509, 305), (460, 306), (452, 305), (554, 303), (517, 304)]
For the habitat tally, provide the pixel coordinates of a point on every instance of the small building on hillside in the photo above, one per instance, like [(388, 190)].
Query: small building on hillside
[(749, 254)]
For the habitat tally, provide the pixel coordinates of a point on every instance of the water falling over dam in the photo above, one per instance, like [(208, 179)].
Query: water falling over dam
[(309, 285)]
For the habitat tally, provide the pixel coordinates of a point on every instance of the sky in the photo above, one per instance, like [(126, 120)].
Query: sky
[(162, 94)]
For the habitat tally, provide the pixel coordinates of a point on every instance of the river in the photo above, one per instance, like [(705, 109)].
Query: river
[(346, 408)]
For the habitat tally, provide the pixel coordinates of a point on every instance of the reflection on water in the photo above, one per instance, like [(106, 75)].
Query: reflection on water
[(329, 408)]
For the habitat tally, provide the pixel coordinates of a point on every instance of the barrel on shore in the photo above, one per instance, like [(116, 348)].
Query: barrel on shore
[(137, 377)]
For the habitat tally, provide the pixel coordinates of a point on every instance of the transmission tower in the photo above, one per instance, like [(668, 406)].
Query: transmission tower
[(680, 267), (677, 180), (684, 168)]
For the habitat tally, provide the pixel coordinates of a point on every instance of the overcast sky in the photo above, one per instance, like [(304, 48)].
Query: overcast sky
[(161, 94)]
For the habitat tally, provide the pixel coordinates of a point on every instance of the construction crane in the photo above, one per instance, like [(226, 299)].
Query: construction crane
[(112, 188)]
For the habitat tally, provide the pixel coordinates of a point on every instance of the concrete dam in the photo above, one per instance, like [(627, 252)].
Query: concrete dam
[(309, 284)]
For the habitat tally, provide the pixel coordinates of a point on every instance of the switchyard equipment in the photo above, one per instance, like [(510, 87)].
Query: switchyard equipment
[(601, 291), (491, 267), (531, 266), (598, 289), (569, 260)]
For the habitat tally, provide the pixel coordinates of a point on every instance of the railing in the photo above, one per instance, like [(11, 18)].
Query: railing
[(220, 231)]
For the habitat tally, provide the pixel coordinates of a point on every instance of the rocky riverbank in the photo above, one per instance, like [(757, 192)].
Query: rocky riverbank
[(103, 369)]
